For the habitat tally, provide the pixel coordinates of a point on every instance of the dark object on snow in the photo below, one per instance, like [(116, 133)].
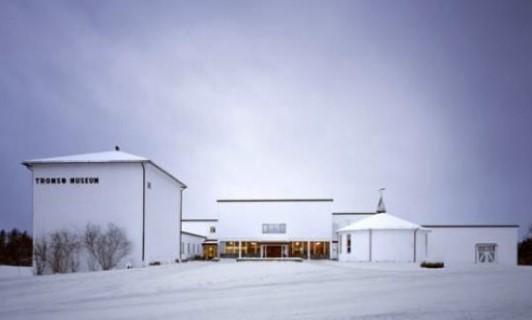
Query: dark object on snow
[(525, 252), (155, 263), (432, 265)]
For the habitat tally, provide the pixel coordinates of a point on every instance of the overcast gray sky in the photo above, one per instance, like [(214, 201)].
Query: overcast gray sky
[(430, 99)]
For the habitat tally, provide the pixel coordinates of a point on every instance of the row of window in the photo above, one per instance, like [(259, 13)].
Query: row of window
[(191, 248), (274, 228), (348, 244)]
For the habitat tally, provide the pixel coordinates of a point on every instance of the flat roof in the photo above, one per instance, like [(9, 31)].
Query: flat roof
[(471, 225), (197, 220), (353, 213), (278, 200)]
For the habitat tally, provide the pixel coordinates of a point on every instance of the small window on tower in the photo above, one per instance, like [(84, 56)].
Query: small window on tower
[(149, 185)]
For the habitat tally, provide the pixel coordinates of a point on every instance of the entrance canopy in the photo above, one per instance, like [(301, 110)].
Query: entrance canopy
[(382, 221)]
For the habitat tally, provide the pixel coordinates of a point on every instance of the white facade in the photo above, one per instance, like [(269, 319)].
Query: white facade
[(137, 195), (382, 238), (343, 219), (203, 227), (191, 245), (275, 227), (459, 244), (305, 220), (110, 187)]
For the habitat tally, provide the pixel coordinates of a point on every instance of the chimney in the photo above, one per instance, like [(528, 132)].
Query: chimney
[(381, 208)]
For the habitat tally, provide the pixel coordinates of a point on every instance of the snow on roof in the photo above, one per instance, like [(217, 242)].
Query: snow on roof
[(193, 234), (108, 156), (381, 221), (99, 157)]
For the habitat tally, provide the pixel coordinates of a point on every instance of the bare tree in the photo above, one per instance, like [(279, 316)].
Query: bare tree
[(64, 248), (90, 238), (40, 255), (107, 248)]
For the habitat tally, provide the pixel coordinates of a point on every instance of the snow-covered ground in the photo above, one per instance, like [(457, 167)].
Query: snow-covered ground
[(11, 272), (273, 290)]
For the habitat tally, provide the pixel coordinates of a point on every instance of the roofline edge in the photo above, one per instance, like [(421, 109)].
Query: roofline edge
[(470, 226), (277, 200)]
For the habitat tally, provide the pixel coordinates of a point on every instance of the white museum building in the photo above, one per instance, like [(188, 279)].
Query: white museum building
[(132, 192), (145, 200), (309, 229)]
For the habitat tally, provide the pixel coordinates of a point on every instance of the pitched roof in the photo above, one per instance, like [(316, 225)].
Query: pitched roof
[(108, 156), (100, 157), (193, 234), (382, 221)]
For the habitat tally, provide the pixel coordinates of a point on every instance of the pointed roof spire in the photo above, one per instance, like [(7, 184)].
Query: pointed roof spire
[(381, 208)]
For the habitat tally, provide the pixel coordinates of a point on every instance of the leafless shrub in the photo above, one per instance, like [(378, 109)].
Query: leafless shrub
[(64, 248), (90, 240), (106, 248), (40, 255)]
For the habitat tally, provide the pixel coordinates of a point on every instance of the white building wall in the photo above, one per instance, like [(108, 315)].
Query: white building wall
[(201, 227), (304, 220), (163, 221), (422, 238), (117, 198), (457, 245), (392, 245), (340, 220), (386, 246), (191, 245), (359, 247)]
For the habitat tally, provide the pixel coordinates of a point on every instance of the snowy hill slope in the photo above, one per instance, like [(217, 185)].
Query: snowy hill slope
[(273, 290)]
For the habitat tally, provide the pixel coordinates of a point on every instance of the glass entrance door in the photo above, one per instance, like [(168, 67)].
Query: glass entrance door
[(274, 250)]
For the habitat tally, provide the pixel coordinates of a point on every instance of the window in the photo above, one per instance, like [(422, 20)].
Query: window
[(485, 252), (188, 248), (340, 238), (348, 243), (229, 249), (274, 228), (212, 229)]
